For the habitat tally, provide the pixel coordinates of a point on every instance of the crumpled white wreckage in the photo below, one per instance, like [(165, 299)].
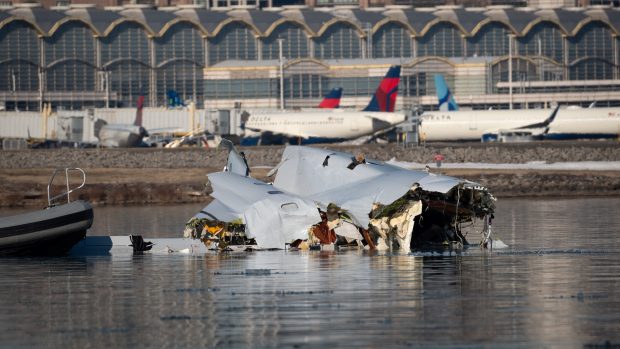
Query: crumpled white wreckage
[(324, 197)]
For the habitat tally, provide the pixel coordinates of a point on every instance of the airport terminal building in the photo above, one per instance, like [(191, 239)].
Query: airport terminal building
[(497, 56)]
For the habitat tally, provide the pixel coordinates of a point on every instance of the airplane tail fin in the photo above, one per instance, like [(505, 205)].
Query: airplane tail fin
[(384, 98), (236, 162), (98, 126), (445, 97), (332, 99), (140, 105)]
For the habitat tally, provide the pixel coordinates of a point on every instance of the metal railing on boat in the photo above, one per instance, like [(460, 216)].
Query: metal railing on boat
[(69, 189)]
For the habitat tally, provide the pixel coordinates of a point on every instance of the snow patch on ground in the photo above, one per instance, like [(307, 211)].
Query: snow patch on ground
[(531, 165)]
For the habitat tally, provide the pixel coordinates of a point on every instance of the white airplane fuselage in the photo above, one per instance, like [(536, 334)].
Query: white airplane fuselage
[(121, 136), (322, 125), (592, 123), (473, 124)]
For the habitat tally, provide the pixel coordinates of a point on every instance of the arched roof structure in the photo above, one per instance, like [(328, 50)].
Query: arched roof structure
[(315, 22)]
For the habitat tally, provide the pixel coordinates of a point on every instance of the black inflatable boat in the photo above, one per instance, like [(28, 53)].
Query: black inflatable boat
[(52, 231), (49, 232)]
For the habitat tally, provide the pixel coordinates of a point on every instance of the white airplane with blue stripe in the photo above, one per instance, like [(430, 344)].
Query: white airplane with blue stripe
[(451, 124)]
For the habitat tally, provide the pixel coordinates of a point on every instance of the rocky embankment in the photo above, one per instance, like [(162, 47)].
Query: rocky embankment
[(270, 155), (165, 176)]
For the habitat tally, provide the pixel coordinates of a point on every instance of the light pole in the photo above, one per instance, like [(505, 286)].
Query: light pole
[(540, 61), (14, 88), (281, 59), (510, 37)]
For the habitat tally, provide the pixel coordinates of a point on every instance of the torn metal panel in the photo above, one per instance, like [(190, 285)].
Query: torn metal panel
[(276, 221), (236, 162), (358, 198), (309, 171), (218, 211), (349, 231), (271, 216), (359, 186), (401, 224), (238, 192)]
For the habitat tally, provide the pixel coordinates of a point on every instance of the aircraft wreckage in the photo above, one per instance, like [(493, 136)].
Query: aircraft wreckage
[(323, 197)]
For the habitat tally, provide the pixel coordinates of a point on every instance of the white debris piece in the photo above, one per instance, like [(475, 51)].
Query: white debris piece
[(271, 216)]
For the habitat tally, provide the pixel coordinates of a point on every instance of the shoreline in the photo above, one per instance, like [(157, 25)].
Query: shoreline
[(160, 186), (155, 176)]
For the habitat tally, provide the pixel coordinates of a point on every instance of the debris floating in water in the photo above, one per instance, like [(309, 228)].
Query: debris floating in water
[(321, 198), (257, 272)]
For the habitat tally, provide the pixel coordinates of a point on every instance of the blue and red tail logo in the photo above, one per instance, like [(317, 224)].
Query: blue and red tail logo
[(332, 99), (384, 98)]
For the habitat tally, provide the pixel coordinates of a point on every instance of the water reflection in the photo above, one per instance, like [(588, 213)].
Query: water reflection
[(568, 298)]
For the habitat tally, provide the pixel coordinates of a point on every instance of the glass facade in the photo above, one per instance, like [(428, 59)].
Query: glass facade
[(304, 86), (522, 71), (183, 77), (415, 84), (594, 40), (544, 39), (236, 41), (418, 80), (77, 65), (362, 86), (70, 58), (19, 57), (125, 55), (591, 69), (591, 53), (391, 40), (180, 58), (239, 89), (294, 44), (127, 41), (296, 86), (339, 41), (128, 80), (181, 41), (491, 41), (442, 40)]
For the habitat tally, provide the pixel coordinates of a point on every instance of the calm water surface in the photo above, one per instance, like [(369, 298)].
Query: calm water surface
[(558, 285)]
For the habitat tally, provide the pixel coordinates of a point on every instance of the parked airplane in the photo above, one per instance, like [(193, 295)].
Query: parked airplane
[(321, 126), (122, 135), (492, 125)]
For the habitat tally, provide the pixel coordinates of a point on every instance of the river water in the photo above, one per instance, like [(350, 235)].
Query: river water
[(556, 286)]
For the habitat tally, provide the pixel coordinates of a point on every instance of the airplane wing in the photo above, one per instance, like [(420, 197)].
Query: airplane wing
[(282, 132), (544, 124), (527, 132)]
